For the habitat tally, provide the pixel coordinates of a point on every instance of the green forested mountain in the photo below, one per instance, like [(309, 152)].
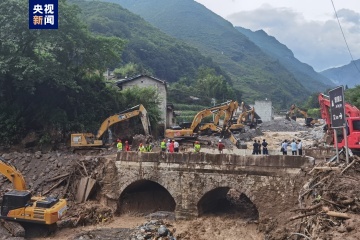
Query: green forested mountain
[(303, 73), (155, 52), (51, 81), (347, 75), (252, 71)]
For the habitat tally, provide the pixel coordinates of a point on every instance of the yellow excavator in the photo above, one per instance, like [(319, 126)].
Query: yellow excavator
[(19, 206), (84, 140), (191, 133), (247, 116), (291, 115), (228, 111)]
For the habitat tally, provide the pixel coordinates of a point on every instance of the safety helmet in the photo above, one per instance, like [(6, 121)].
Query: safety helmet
[(219, 140), (168, 140), (126, 141)]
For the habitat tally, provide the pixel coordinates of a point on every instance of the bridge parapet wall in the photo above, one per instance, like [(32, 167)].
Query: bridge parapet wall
[(186, 158), (188, 176)]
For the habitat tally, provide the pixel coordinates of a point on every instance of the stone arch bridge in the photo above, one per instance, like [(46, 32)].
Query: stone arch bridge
[(194, 182)]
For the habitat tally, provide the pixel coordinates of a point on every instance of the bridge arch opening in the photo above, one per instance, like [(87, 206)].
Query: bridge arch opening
[(227, 201), (145, 197)]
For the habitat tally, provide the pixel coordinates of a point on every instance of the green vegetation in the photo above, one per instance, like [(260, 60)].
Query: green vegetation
[(352, 95), (252, 71), (52, 84), (51, 81), (200, 91), (304, 74), (347, 75), (186, 107), (314, 113), (147, 49)]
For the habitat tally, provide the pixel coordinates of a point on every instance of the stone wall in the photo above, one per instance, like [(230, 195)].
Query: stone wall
[(189, 176)]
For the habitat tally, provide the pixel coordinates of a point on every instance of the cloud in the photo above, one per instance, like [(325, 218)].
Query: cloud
[(349, 16), (317, 43)]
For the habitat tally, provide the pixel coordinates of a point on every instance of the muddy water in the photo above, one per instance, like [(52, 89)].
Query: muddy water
[(204, 228)]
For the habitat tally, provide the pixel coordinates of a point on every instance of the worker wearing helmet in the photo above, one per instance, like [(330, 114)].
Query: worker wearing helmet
[(221, 146), (141, 148), (168, 145), (163, 145), (197, 147), (119, 145)]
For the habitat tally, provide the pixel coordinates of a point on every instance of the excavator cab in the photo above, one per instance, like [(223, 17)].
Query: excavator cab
[(14, 200), (309, 121)]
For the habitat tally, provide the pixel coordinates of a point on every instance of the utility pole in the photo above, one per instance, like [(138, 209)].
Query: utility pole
[(213, 102)]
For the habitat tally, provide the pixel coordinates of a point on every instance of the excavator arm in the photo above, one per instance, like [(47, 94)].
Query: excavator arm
[(291, 114), (11, 173), (191, 132), (207, 112), (243, 119), (90, 140), (122, 116)]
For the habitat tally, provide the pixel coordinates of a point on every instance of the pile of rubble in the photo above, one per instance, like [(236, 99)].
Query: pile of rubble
[(153, 229), (59, 174), (283, 125), (328, 206)]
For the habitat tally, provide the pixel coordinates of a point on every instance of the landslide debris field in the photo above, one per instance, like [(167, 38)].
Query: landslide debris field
[(328, 206)]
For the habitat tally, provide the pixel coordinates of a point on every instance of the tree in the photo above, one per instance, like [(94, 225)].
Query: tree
[(352, 95), (148, 97), (52, 81), (128, 70)]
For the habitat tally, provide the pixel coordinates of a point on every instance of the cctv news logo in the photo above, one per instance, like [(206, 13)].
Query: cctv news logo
[(43, 14)]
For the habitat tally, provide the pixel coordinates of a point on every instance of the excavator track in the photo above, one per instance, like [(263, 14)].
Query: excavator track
[(15, 228)]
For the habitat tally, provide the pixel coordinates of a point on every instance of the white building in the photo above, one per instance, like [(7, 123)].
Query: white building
[(265, 110)]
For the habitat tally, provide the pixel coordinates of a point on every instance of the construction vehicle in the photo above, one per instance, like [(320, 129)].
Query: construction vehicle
[(227, 111), (192, 133), (248, 116), (352, 114), (226, 130), (84, 140), (19, 206), (291, 115)]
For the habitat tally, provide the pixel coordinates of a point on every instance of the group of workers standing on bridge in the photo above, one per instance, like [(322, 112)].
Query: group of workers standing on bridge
[(169, 146)]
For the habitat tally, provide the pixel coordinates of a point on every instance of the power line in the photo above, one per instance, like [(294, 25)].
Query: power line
[(347, 45)]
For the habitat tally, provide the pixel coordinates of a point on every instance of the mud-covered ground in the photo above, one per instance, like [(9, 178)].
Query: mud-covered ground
[(57, 173)]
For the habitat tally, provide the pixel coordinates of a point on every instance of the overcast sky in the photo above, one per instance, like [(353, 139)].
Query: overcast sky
[(308, 27)]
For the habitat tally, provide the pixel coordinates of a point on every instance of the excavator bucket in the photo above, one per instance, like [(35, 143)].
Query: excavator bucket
[(287, 116)]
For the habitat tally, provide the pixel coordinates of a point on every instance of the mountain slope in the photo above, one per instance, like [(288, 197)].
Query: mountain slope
[(162, 55), (252, 70), (346, 75), (304, 73)]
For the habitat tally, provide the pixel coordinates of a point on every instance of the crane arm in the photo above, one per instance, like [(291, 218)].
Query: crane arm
[(124, 115), (11, 173)]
